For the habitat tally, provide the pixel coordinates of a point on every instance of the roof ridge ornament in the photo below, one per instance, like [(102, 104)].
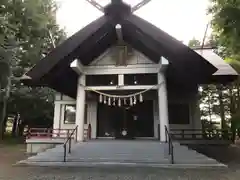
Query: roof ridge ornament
[(96, 5), (140, 5), (116, 2)]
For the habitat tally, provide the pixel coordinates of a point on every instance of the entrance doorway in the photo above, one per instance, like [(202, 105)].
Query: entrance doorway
[(125, 122)]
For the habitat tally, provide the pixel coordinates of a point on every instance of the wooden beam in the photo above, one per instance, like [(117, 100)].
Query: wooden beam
[(110, 88), (77, 66), (96, 5), (130, 69), (118, 28), (120, 80), (140, 5)]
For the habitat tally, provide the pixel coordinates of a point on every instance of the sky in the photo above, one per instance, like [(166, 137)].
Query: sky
[(182, 19)]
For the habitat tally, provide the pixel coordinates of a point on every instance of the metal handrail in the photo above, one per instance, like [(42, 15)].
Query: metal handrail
[(170, 144), (69, 142)]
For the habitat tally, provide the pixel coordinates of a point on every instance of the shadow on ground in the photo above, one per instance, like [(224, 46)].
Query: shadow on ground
[(229, 155)]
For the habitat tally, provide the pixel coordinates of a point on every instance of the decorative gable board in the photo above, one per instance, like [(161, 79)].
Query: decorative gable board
[(139, 58), (110, 57), (106, 58)]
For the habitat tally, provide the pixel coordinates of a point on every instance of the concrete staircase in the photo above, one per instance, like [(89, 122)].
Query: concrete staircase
[(122, 152), (184, 155)]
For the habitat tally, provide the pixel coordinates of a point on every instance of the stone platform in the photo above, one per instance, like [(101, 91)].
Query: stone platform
[(122, 152)]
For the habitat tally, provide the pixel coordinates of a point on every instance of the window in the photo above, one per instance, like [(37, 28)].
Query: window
[(179, 113), (69, 114), (102, 80), (140, 79)]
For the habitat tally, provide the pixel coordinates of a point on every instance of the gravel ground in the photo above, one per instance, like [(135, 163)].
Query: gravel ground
[(10, 155), (30, 173)]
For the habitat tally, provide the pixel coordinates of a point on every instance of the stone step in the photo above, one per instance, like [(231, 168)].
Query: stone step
[(197, 161), (123, 151), (60, 159), (183, 154)]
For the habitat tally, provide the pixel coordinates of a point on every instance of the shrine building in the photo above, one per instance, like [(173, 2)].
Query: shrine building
[(126, 78)]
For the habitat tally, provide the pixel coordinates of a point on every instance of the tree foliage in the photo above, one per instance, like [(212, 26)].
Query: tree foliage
[(226, 25), (223, 101), (25, 28), (194, 43)]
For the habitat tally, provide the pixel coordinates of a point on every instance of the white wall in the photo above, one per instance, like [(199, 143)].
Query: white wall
[(61, 101), (59, 105)]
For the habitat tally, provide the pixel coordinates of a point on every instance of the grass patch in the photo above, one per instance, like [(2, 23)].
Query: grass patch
[(9, 140)]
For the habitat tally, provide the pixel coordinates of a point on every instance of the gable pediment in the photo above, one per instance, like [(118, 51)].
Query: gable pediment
[(121, 56)]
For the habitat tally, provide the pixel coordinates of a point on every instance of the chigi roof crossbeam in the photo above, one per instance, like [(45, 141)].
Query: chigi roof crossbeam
[(133, 9)]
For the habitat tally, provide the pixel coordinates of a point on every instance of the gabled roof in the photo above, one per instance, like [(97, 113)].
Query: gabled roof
[(90, 42), (225, 71), (223, 67)]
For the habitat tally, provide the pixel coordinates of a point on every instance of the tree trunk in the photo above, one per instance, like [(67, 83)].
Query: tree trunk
[(2, 127), (238, 93), (232, 103), (209, 105), (4, 108), (222, 112), (20, 128), (14, 127)]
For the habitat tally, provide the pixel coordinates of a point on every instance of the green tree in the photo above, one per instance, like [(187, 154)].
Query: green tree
[(226, 37), (226, 25), (27, 32), (226, 29), (216, 99), (194, 43)]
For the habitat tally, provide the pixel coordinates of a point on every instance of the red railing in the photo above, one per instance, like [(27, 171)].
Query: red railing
[(48, 133), (53, 133)]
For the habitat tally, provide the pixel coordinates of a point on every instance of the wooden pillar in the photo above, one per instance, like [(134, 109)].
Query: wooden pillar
[(57, 118), (163, 106), (197, 124), (156, 119), (80, 107)]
